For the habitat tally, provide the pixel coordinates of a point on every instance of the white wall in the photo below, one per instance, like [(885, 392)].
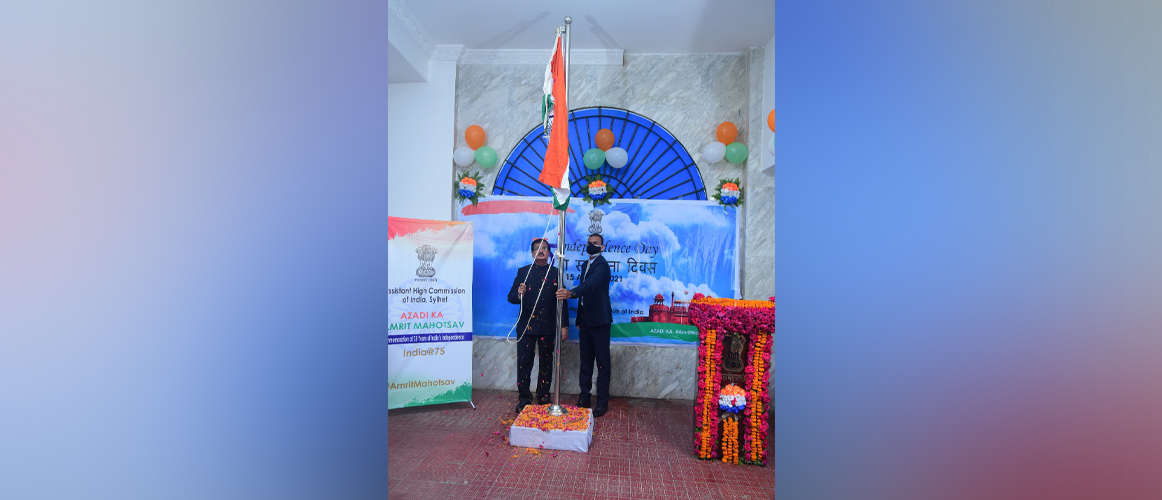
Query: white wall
[(421, 124), (407, 59), (767, 159)]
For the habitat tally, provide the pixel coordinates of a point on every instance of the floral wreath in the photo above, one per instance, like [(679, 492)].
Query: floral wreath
[(469, 188), (729, 193), (596, 191), (732, 399)]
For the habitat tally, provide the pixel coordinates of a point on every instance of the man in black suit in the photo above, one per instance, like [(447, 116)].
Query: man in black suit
[(594, 318), (534, 288)]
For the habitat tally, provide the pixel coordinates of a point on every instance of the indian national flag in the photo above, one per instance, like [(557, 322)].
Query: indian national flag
[(556, 171)]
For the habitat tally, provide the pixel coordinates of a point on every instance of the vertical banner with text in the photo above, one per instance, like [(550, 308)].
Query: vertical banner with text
[(430, 306)]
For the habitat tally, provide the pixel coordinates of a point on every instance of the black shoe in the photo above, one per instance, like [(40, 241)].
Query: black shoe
[(600, 410), (583, 401), (547, 400), (522, 404)]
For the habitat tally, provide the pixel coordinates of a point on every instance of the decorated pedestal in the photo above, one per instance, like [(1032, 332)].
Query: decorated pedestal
[(535, 428), (734, 359)]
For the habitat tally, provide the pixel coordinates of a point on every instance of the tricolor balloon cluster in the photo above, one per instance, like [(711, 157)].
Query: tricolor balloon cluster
[(725, 146), (476, 150), (605, 152)]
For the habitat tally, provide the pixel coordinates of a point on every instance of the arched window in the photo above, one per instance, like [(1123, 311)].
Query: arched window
[(659, 166)]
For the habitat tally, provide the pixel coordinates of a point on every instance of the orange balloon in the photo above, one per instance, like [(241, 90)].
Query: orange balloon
[(726, 132), (604, 139), (771, 120), (475, 136)]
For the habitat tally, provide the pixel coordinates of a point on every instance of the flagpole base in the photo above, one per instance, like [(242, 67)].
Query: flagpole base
[(557, 410), (577, 439)]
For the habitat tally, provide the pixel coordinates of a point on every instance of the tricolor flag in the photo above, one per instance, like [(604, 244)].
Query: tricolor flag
[(556, 171)]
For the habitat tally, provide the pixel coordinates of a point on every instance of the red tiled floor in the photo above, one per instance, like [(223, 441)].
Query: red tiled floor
[(642, 449)]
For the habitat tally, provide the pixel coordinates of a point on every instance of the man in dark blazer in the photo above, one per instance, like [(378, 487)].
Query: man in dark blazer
[(535, 289), (594, 318)]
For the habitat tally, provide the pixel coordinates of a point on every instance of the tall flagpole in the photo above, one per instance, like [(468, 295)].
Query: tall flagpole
[(558, 410)]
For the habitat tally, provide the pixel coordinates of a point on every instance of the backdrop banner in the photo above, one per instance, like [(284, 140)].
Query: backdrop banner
[(660, 254), (429, 358)]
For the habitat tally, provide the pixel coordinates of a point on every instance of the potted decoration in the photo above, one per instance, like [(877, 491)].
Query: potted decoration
[(469, 188)]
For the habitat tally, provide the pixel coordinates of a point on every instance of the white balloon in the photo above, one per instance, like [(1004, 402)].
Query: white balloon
[(714, 152), (463, 156), (616, 157), (771, 145)]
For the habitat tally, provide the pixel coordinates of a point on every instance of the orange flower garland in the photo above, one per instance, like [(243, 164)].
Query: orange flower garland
[(730, 441), (756, 415), (709, 399)]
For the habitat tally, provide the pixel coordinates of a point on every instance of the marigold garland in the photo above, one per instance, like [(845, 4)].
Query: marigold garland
[(706, 406), (757, 381), (730, 441)]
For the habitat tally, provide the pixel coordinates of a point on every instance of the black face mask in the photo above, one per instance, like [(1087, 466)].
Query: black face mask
[(592, 249)]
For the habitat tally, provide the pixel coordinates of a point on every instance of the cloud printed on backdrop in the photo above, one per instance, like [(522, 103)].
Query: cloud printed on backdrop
[(669, 248)]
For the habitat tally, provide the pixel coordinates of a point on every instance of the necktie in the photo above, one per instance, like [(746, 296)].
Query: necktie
[(583, 274)]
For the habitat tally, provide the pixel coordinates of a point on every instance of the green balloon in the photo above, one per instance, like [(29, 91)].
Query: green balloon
[(594, 158), (736, 152), (486, 156)]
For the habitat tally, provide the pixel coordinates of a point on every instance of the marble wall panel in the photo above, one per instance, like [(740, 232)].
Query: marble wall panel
[(759, 206), (758, 121), (638, 371), (759, 275)]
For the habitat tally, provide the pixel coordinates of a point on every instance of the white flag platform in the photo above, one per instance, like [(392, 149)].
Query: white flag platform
[(535, 428)]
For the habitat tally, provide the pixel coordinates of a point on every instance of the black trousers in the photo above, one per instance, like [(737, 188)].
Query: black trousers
[(595, 347), (524, 364)]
